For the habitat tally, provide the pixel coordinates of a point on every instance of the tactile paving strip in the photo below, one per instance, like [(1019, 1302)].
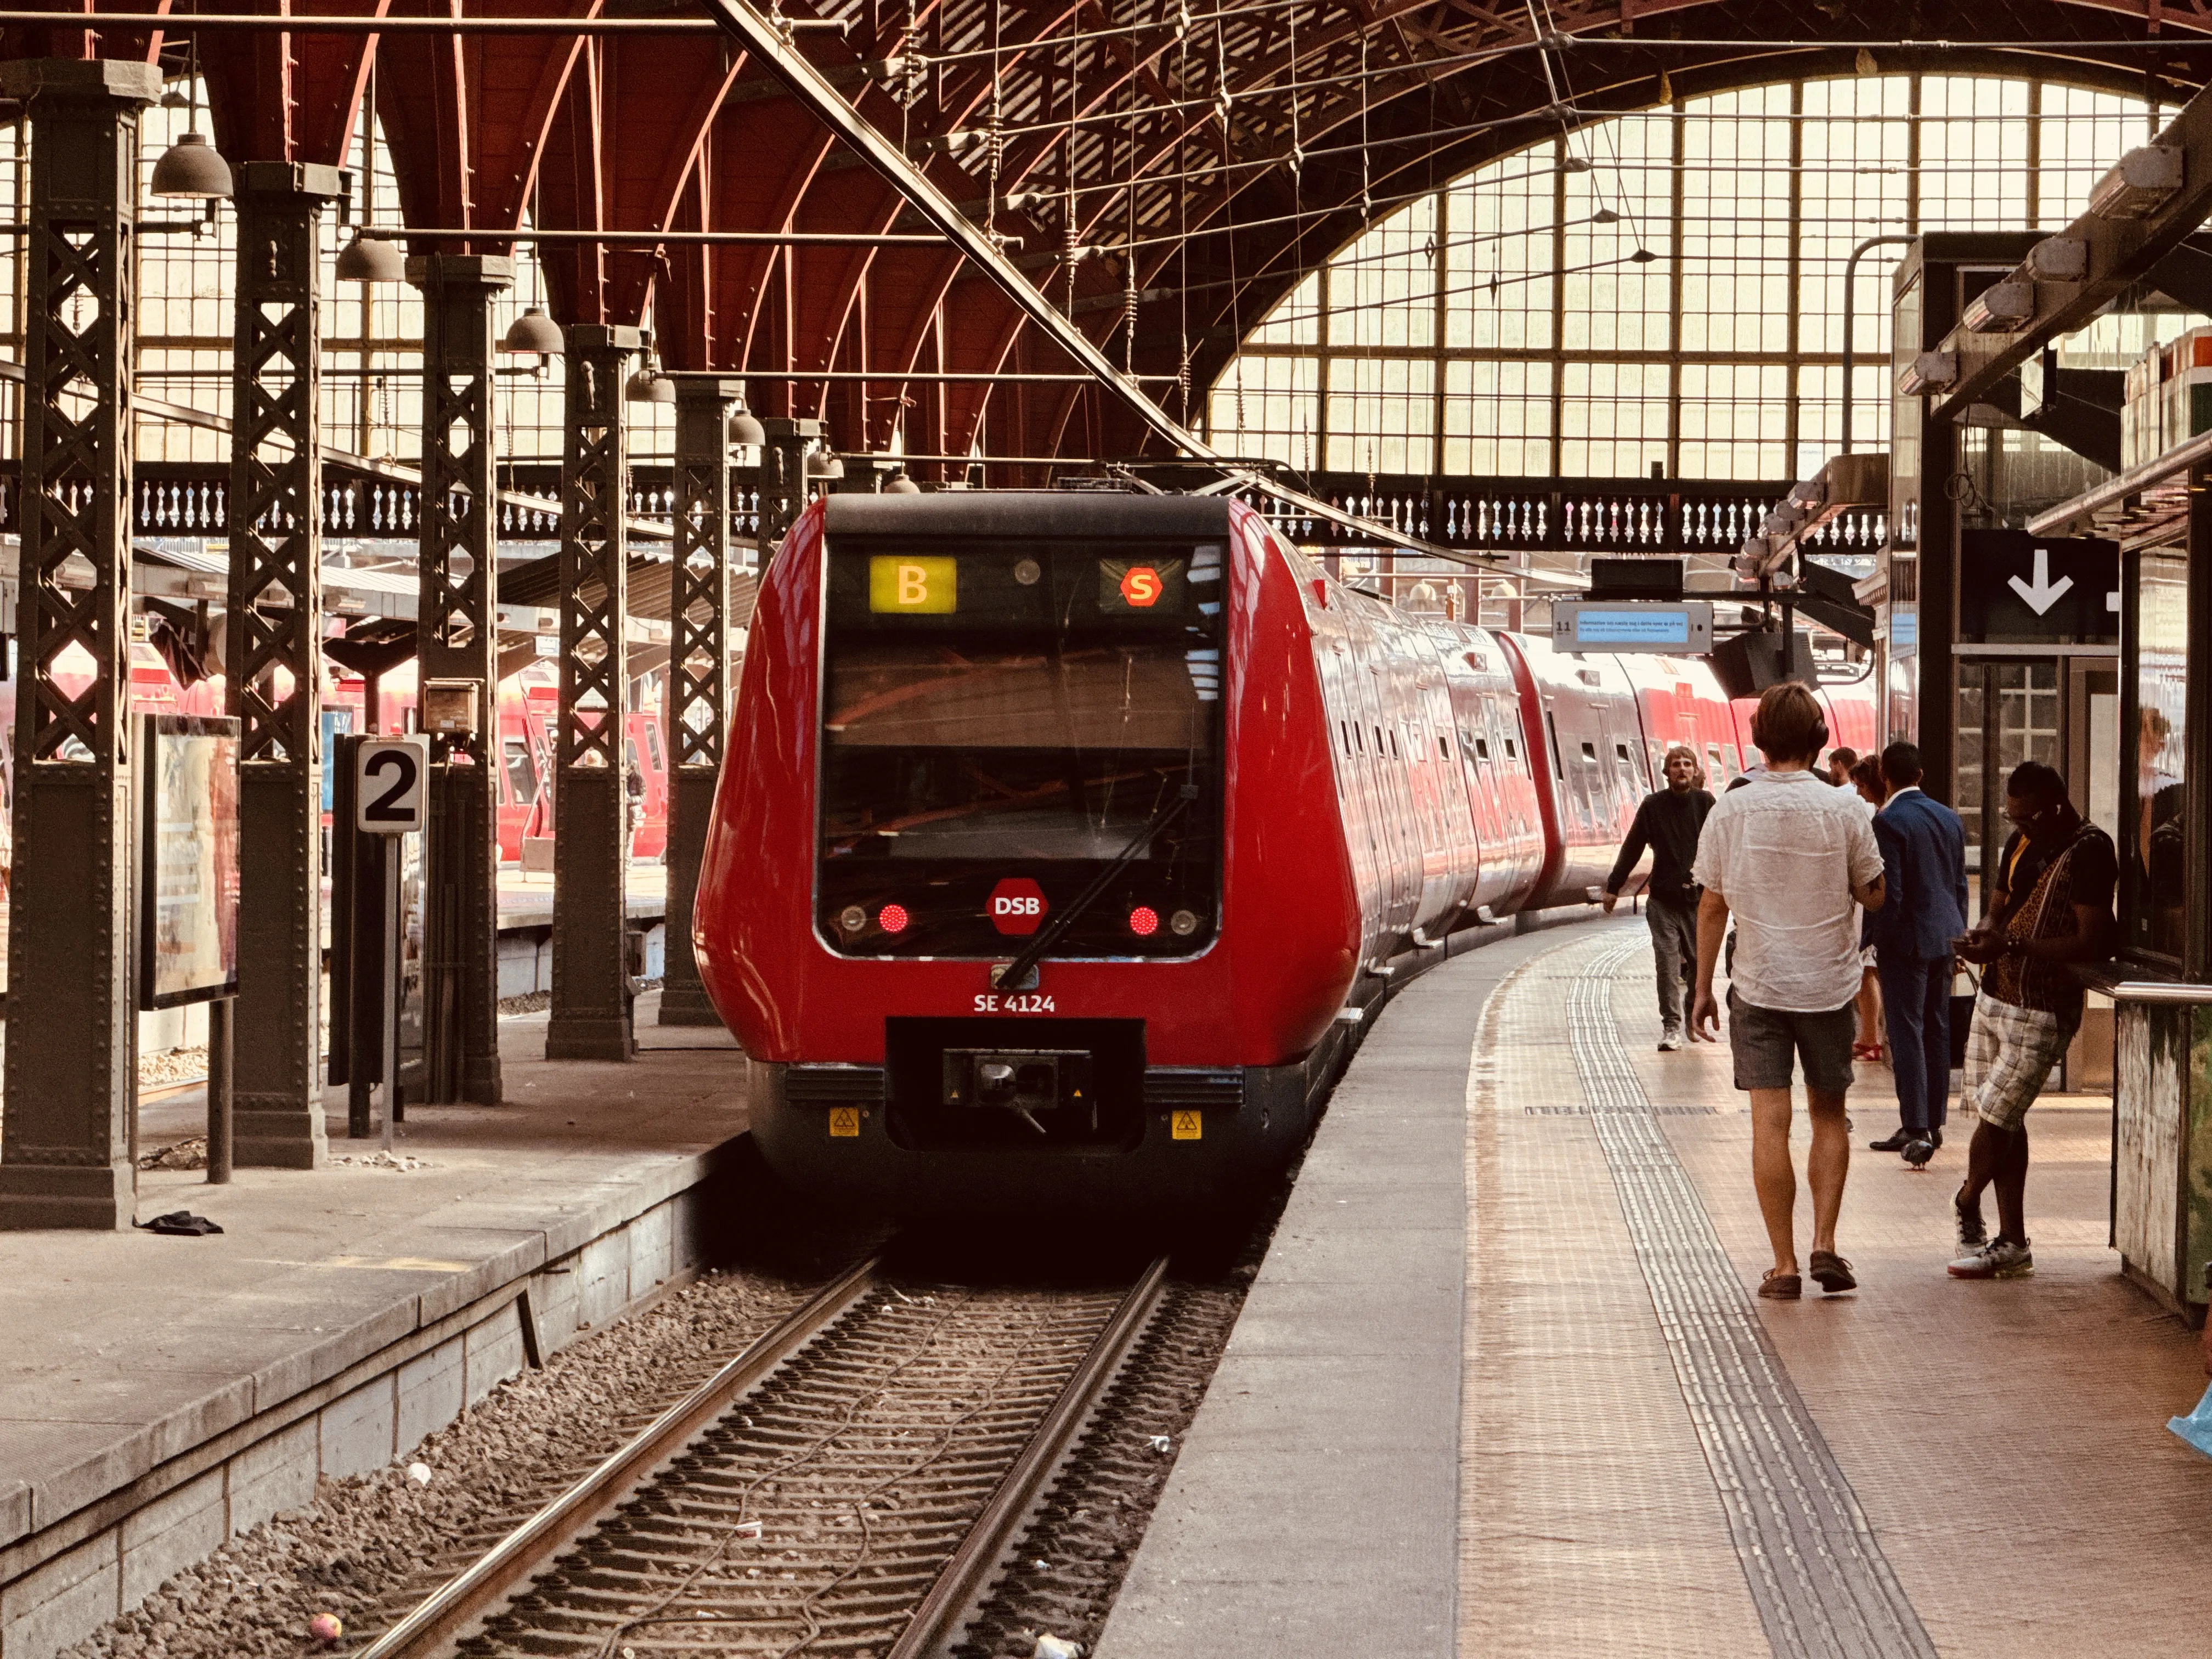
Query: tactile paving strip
[(1823, 1588)]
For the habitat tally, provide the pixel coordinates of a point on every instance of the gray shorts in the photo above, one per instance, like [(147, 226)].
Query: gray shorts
[(1764, 1042)]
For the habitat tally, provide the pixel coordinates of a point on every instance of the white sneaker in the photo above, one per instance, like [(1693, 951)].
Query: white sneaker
[(1998, 1259), (1670, 1039)]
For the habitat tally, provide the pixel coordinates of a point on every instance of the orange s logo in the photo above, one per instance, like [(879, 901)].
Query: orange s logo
[(1141, 585)]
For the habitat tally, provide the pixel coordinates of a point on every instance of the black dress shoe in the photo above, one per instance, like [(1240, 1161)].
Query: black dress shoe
[(1898, 1142)]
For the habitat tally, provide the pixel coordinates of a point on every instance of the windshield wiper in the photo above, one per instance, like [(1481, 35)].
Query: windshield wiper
[(1010, 977)]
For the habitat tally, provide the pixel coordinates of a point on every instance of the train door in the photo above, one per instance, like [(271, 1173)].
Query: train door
[(1366, 771), (1334, 660), (1399, 838), (522, 786)]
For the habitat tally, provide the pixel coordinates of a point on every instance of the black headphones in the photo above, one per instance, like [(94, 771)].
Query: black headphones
[(1820, 722)]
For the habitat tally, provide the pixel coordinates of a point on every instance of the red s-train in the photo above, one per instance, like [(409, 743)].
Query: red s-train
[(1207, 804)]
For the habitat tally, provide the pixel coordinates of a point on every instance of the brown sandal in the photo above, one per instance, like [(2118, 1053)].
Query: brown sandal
[(1831, 1273), (1782, 1287)]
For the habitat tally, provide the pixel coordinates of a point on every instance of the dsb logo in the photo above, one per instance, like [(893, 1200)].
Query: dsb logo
[(1016, 905)]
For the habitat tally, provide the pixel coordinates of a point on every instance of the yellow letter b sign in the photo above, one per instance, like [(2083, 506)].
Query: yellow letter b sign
[(912, 585)]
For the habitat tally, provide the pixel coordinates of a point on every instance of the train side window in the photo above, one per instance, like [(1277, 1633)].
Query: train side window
[(521, 770), (1589, 753), (1360, 737), (1511, 752), (1482, 748), (1444, 745), (1343, 735), (1393, 745), (1558, 760), (1378, 742)]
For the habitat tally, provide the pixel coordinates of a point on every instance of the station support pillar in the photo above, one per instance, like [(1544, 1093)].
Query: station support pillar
[(72, 1051), (698, 704), (1938, 602), (783, 476), (275, 661), (591, 1016), (458, 634)]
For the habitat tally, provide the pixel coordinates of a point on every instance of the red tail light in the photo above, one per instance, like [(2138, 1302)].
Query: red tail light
[(1144, 921), (892, 918)]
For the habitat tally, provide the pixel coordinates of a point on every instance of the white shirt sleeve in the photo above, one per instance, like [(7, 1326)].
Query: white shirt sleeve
[(1713, 851), (1864, 852)]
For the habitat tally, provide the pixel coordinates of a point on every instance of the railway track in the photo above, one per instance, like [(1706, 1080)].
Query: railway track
[(849, 1485)]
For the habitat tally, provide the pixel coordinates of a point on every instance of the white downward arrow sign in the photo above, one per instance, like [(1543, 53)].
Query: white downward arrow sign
[(2044, 593)]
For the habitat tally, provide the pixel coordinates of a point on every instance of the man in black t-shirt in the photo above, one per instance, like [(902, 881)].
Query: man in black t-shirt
[(1668, 823), (2053, 890)]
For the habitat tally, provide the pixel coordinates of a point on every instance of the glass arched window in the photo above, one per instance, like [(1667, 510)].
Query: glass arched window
[(1661, 289)]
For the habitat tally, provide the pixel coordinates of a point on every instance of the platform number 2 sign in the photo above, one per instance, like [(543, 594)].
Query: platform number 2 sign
[(388, 786)]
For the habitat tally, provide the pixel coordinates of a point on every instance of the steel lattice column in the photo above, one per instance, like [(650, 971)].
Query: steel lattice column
[(274, 661), (457, 634), (591, 1014), (72, 1059), (783, 476), (698, 703)]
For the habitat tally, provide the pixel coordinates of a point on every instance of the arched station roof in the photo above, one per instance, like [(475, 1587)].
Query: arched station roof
[(1194, 151)]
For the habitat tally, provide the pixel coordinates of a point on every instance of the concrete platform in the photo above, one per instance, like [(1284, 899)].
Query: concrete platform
[(1502, 1387), (162, 1394)]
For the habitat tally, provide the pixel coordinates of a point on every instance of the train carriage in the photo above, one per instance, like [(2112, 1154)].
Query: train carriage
[(1067, 841)]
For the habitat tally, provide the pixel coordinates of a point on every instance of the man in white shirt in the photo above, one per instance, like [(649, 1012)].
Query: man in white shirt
[(1790, 858)]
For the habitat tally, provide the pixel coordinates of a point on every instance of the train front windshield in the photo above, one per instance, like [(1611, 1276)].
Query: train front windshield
[(1004, 725)]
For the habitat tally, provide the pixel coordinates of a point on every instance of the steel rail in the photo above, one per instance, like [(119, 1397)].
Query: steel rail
[(154, 23), (927, 376), (449, 1610), (649, 238), (945, 1612)]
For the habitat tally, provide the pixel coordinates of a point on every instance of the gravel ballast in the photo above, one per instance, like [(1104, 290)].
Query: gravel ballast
[(371, 1546)]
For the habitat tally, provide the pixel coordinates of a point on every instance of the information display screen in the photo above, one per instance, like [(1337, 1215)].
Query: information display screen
[(1685, 629), (188, 920)]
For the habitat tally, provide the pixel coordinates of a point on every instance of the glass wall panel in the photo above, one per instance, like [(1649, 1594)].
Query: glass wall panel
[(2156, 912), (1382, 415), (1612, 419), (1675, 277)]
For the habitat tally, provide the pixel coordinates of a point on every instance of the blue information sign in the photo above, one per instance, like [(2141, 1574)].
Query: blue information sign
[(1685, 629)]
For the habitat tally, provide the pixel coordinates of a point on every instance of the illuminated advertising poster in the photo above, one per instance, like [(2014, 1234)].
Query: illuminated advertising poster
[(188, 910)]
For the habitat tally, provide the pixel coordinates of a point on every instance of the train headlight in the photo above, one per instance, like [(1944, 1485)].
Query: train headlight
[(1183, 923), (852, 918), (1027, 572)]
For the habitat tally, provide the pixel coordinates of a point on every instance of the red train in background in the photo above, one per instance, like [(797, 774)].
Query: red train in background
[(1068, 842), (527, 716)]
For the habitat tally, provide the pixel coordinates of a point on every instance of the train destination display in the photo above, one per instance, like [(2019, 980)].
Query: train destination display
[(1685, 629)]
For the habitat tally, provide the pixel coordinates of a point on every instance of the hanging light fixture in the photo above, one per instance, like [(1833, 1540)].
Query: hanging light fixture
[(192, 168), (371, 260), (364, 259), (534, 330), (649, 386), (821, 464), (745, 430), (900, 484)]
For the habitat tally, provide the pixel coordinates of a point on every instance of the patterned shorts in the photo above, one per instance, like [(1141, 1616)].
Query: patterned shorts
[(2009, 1054)]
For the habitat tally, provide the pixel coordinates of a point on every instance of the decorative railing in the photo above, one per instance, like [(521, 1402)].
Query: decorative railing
[(174, 498), (1580, 515), (1492, 515)]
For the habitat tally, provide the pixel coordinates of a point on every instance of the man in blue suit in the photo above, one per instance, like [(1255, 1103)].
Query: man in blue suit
[(1923, 864)]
